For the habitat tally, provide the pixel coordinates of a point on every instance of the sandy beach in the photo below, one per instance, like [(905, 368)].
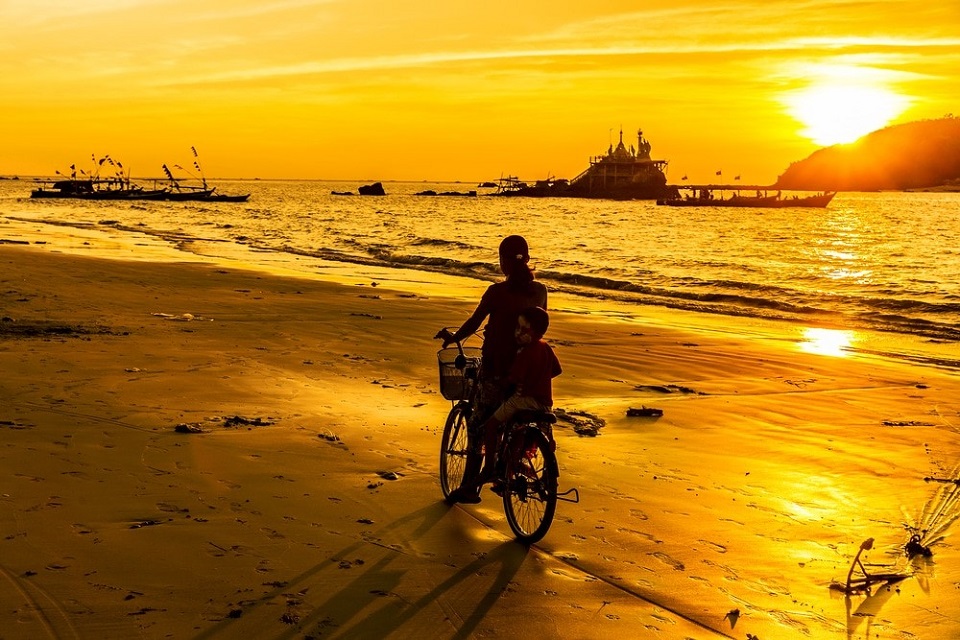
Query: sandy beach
[(302, 499)]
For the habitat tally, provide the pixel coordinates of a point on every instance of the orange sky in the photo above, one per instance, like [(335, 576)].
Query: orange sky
[(380, 89)]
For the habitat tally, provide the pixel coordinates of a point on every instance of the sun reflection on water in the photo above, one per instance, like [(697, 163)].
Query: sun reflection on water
[(827, 342)]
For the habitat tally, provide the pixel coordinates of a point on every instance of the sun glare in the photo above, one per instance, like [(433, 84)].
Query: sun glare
[(826, 342), (839, 113)]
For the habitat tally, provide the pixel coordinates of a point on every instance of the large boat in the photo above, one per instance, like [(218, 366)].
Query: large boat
[(705, 198), (619, 174)]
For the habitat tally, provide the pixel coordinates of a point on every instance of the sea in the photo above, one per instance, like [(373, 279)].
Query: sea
[(886, 263)]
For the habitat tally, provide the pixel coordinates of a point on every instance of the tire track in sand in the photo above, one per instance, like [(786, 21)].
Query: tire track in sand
[(52, 617)]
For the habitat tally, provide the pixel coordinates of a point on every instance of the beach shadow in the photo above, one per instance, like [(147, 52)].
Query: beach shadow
[(867, 610), (356, 596), (375, 581), (427, 517)]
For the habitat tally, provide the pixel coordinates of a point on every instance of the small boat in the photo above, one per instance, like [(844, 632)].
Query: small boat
[(129, 192), (64, 189), (92, 189), (94, 185), (705, 198), (224, 197), (180, 192)]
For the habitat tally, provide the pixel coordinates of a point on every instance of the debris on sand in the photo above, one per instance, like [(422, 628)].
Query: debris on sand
[(185, 427), (644, 412), (668, 388), (915, 548), (584, 424), (733, 615), (906, 423), (859, 580), (237, 421), (43, 329)]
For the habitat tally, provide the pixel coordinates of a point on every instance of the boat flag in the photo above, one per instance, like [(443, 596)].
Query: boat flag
[(194, 149), (684, 178), (719, 173), (736, 177)]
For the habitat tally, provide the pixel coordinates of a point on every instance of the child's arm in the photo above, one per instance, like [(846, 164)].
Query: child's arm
[(555, 368)]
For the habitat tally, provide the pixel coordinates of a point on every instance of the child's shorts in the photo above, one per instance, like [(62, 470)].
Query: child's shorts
[(518, 403)]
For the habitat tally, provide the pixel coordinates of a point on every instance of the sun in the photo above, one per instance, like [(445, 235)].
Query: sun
[(835, 113)]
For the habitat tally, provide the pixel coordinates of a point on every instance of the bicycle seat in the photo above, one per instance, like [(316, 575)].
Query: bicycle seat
[(528, 415)]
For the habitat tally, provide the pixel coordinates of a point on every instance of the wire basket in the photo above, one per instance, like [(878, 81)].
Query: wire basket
[(457, 382)]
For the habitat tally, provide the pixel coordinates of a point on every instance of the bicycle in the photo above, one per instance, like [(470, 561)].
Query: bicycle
[(526, 472)]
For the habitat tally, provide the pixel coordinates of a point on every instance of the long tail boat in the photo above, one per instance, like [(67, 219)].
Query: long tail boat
[(94, 189), (705, 198)]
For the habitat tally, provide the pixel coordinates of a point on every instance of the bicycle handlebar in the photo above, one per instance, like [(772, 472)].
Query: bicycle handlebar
[(447, 336)]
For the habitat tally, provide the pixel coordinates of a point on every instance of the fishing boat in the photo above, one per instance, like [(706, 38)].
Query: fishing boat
[(705, 198), (101, 183), (180, 191), (190, 193), (224, 197), (92, 189)]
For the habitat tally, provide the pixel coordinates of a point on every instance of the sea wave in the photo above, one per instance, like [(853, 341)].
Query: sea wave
[(725, 265)]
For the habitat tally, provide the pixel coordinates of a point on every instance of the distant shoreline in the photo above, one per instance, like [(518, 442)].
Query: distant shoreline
[(943, 188)]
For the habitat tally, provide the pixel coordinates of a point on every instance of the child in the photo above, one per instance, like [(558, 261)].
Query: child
[(532, 373)]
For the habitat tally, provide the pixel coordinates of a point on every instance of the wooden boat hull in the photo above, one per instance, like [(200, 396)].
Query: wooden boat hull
[(763, 202), (119, 194), (179, 196), (222, 197)]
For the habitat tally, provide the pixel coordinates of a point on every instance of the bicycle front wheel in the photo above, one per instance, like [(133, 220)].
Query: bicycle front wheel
[(453, 449), (530, 493)]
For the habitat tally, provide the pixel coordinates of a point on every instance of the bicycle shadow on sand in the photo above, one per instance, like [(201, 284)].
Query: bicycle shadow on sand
[(373, 582), (508, 557)]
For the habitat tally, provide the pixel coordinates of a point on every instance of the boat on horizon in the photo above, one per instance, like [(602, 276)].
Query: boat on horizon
[(110, 190), (97, 189), (705, 198), (179, 191)]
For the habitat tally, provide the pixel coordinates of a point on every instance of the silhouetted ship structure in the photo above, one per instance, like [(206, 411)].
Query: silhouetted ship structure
[(620, 174), (705, 198)]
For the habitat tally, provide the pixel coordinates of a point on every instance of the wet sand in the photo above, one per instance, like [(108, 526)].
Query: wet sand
[(319, 514)]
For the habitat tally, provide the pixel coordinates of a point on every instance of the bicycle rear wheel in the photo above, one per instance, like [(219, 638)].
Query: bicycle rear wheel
[(453, 449), (530, 494)]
